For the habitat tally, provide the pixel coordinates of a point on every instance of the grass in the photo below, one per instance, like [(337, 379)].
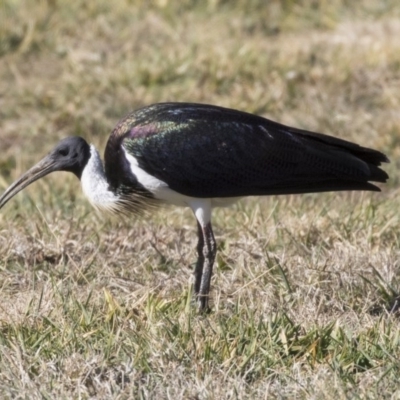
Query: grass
[(305, 292)]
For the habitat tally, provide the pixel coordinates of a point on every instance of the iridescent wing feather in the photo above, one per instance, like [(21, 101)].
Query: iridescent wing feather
[(207, 151)]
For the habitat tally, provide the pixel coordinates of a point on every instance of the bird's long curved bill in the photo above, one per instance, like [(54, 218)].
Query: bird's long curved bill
[(42, 168)]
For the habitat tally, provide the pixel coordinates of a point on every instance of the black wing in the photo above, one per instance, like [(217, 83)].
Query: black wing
[(207, 151)]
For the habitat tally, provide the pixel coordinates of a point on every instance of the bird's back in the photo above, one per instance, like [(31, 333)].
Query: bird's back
[(207, 151)]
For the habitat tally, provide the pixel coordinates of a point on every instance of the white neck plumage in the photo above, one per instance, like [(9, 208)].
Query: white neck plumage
[(95, 185)]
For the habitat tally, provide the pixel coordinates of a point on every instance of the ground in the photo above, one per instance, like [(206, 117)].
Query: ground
[(305, 287)]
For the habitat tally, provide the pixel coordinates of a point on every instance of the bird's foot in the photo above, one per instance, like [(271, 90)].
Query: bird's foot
[(202, 303)]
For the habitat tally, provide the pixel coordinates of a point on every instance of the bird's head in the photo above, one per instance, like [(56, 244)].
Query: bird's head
[(70, 154)]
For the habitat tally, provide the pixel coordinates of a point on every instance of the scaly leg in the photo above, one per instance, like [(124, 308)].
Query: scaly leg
[(198, 272), (209, 252)]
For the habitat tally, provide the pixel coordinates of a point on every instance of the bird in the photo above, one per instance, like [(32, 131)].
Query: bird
[(205, 156)]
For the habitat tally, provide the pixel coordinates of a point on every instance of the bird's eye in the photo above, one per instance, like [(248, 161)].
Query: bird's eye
[(63, 152)]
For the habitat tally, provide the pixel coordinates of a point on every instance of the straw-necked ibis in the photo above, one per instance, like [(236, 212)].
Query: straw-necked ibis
[(202, 156)]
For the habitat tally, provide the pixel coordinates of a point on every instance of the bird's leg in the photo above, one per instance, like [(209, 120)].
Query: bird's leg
[(206, 250), (198, 272), (209, 252)]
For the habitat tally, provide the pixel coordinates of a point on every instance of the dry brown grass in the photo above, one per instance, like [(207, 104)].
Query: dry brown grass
[(93, 308)]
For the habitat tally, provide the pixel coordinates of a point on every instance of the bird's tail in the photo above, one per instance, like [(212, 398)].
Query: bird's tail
[(343, 166)]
